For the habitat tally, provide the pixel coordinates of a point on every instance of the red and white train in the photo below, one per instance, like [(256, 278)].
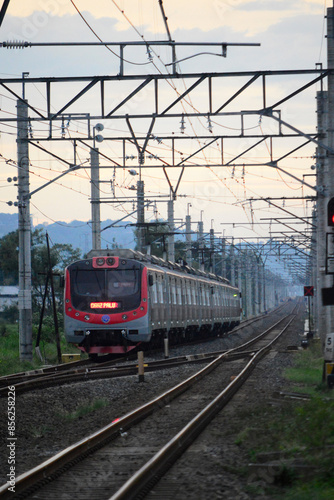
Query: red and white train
[(117, 299)]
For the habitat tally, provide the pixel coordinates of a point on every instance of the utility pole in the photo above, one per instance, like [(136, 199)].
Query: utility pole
[(201, 243), (322, 175), (224, 257), (171, 240), (95, 199), (140, 216), (212, 251), (257, 285), (232, 259), (25, 303), (239, 280), (188, 237), (325, 182), (248, 292)]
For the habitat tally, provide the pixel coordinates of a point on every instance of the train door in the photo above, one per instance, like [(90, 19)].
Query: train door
[(167, 291)]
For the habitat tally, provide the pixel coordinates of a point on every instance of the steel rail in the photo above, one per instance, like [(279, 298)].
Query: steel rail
[(47, 377), (41, 381), (54, 466), (20, 376), (152, 471), (71, 367)]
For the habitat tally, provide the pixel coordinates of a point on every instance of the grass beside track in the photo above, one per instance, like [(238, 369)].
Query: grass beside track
[(9, 349), (296, 435), (293, 432)]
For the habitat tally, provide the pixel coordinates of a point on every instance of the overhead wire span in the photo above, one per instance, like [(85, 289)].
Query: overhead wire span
[(106, 46)]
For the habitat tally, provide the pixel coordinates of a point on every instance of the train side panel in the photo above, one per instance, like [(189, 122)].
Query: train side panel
[(172, 303)]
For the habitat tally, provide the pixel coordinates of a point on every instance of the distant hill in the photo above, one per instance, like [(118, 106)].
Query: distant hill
[(8, 223), (77, 233)]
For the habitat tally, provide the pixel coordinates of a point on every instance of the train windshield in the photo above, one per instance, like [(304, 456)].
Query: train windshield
[(115, 289)]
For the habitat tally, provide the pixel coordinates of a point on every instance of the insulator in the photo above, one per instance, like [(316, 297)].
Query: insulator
[(16, 44), (141, 158)]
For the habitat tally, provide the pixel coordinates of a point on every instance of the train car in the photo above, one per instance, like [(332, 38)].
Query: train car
[(117, 299)]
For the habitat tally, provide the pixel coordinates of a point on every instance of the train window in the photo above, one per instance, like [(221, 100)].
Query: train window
[(88, 283), (98, 285), (173, 293), (121, 282), (193, 291), (207, 296), (184, 292), (179, 296), (169, 291), (154, 292), (188, 290), (160, 292)]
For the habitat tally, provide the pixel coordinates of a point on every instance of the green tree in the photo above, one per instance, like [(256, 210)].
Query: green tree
[(9, 271), (60, 255)]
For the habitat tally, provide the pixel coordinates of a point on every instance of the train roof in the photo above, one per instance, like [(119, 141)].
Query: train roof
[(127, 253)]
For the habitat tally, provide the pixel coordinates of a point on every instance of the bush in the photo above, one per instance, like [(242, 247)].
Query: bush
[(10, 314)]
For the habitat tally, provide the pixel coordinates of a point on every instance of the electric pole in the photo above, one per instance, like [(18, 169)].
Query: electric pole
[(171, 240), (188, 238), (140, 216), (25, 303), (95, 199)]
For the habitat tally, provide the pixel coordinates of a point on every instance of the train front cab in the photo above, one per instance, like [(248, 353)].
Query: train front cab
[(106, 309)]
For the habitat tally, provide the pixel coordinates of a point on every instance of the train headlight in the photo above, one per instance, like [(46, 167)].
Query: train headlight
[(100, 261), (124, 316), (86, 318)]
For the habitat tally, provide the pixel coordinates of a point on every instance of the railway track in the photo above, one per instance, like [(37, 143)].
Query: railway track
[(78, 371), (125, 449)]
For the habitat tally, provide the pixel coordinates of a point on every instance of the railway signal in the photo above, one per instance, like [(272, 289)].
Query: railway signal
[(308, 291), (330, 212)]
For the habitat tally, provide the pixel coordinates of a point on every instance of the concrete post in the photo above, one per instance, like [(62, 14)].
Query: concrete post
[(188, 240), (261, 286), (239, 283), (171, 238), (95, 199), (232, 259), (140, 216), (224, 257), (257, 286), (212, 251), (328, 315), (25, 303), (201, 245)]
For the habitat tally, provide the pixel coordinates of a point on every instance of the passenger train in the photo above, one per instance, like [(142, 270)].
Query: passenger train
[(118, 299)]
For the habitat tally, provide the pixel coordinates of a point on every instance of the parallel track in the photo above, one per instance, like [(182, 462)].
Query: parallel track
[(149, 473), (78, 371)]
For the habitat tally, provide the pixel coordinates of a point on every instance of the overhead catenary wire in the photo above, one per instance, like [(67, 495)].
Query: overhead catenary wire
[(203, 154)]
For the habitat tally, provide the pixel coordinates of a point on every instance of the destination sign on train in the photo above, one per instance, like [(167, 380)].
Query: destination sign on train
[(105, 305)]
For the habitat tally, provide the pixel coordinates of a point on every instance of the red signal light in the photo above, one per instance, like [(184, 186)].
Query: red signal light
[(330, 212)]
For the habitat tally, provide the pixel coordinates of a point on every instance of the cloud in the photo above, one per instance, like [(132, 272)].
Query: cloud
[(243, 16), (290, 33)]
